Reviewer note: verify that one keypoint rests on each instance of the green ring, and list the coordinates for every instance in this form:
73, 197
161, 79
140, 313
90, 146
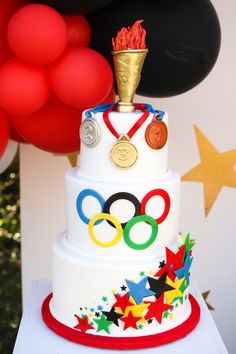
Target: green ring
131, 223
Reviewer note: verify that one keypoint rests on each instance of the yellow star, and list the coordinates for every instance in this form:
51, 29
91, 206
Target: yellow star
176, 292
215, 170
137, 311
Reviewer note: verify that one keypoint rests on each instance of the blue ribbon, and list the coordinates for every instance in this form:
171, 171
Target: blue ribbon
104, 107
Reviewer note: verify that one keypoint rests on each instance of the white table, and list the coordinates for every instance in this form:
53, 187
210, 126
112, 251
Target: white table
35, 338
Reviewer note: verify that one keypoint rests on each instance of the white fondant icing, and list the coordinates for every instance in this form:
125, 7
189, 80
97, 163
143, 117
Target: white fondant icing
95, 161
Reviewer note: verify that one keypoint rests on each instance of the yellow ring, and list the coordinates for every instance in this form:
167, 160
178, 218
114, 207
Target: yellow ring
116, 223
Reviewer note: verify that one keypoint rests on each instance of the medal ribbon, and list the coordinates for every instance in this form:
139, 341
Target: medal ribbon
134, 128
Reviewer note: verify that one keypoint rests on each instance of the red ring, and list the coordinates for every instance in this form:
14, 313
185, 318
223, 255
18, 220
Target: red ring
162, 193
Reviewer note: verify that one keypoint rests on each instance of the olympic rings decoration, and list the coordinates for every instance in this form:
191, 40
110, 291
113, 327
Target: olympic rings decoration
135, 220
139, 215
111, 218
162, 193
85, 193
122, 195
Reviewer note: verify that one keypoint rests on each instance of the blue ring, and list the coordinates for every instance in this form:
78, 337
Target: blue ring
85, 193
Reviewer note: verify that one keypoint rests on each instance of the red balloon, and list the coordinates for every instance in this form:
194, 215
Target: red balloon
54, 128
7, 9
14, 135
78, 29
110, 98
81, 77
24, 88
37, 34
4, 132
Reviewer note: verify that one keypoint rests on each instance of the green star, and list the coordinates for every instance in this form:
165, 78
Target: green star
183, 286
104, 298
140, 326
103, 324
188, 243
142, 273
165, 315
180, 298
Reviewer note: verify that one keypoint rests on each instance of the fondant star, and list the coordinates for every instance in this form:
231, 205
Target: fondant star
156, 309
162, 264
103, 324
112, 316
122, 301
130, 321
123, 288
176, 292
159, 286
180, 298
184, 271
137, 310
83, 324
174, 261
138, 290
97, 314
104, 298
216, 170
149, 320
188, 243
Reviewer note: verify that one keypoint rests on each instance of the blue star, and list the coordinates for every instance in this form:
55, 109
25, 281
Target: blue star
184, 271
92, 309
138, 290
99, 307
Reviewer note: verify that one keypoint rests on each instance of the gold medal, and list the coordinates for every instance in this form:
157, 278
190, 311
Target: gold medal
123, 153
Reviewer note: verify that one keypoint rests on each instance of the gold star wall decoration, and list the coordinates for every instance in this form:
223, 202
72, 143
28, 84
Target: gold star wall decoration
205, 296
73, 158
216, 169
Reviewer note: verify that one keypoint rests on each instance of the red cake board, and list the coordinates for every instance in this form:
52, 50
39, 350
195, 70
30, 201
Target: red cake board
122, 342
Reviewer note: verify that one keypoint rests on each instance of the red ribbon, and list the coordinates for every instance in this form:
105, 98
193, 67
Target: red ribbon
134, 128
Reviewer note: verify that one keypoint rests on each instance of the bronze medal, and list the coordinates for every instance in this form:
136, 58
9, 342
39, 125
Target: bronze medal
156, 134
123, 153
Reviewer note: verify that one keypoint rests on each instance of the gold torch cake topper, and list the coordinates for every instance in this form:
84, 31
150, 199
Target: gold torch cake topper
129, 55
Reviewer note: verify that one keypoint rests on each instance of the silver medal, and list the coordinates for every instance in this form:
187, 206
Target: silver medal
89, 132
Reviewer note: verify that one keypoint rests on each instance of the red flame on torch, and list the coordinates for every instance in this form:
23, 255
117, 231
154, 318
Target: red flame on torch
130, 37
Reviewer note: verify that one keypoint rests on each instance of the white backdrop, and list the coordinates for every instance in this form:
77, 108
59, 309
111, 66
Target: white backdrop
211, 106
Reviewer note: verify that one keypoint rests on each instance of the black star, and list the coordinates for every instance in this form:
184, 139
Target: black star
112, 316
81, 308
162, 264
149, 320
159, 286
97, 314
123, 288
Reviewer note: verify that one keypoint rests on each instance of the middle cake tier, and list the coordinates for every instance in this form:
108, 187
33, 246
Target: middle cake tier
122, 220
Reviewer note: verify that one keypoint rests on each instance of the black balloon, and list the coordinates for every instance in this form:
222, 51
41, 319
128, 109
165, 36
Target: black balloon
183, 37
75, 6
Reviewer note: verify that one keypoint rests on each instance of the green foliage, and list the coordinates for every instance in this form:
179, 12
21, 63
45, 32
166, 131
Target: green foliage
10, 274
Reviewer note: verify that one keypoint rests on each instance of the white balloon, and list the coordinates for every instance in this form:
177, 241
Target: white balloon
8, 156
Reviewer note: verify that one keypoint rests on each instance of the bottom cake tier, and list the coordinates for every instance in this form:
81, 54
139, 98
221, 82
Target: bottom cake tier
109, 304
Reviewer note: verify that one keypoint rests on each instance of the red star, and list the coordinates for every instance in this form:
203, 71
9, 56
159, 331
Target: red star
157, 308
174, 261
83, 324
122, 302
130, 321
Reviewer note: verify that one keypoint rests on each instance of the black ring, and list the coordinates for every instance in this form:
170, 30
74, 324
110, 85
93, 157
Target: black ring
121, 195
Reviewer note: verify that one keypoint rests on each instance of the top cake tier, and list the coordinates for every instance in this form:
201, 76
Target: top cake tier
97, 142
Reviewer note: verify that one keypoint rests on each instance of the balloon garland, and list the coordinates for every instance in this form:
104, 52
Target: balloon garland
37, 36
